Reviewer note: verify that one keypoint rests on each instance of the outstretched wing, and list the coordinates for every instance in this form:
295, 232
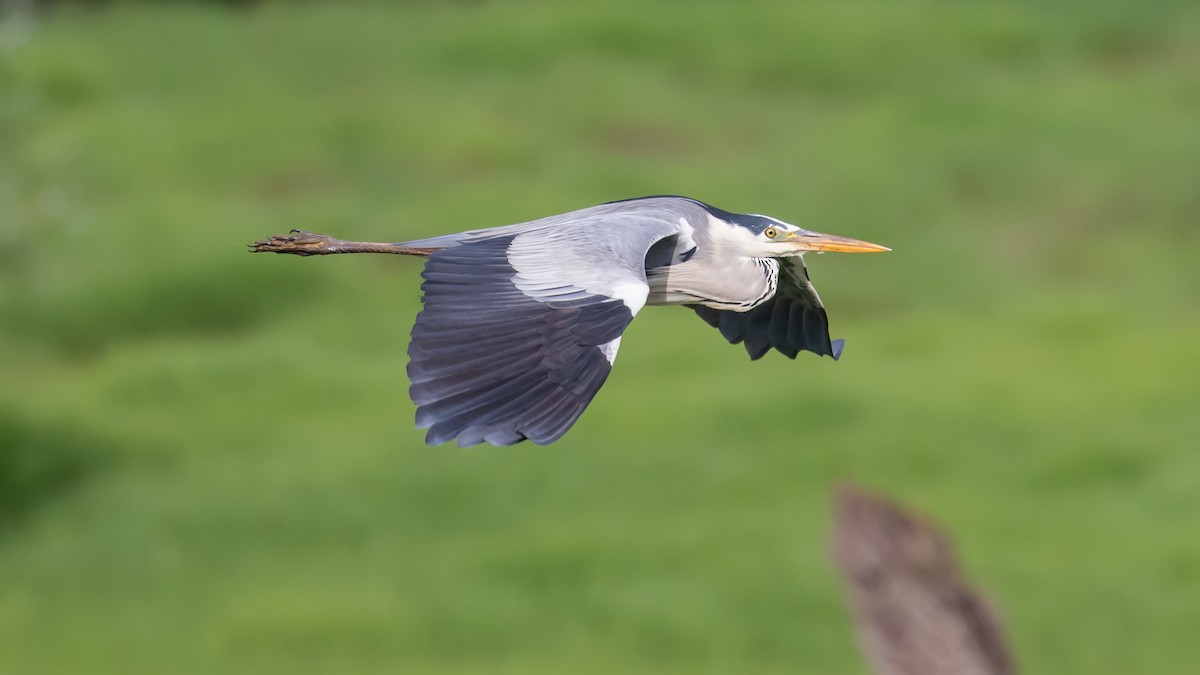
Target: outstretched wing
521, 325
791, 321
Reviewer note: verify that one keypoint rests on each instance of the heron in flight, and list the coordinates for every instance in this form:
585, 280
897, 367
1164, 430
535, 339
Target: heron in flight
520, 324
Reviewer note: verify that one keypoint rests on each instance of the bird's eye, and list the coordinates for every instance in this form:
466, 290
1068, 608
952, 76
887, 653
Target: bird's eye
771, 232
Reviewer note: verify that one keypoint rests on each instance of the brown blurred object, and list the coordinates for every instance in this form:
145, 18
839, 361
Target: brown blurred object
915, 613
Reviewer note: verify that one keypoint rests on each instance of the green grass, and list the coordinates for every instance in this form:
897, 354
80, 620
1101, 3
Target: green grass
207, 460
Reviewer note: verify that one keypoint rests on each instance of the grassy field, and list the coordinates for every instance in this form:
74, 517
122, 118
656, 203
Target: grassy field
207, 460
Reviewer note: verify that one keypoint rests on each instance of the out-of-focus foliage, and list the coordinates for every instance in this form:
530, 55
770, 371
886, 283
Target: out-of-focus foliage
207, 460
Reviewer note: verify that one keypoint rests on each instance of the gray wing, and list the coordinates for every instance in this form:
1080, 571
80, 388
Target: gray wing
793, 320
520, 325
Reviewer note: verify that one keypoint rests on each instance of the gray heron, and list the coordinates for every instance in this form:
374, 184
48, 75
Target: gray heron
520, 324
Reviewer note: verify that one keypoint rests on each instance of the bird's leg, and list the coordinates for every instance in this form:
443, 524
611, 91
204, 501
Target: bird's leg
299, 242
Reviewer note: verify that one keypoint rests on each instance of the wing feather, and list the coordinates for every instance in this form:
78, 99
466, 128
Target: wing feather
519, 323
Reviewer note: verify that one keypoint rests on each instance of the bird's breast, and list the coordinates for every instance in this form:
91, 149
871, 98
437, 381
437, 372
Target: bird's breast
740, 284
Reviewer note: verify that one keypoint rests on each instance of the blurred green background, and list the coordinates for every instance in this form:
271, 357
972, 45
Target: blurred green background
207, 459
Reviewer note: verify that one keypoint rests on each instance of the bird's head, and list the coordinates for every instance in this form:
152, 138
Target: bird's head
763, 236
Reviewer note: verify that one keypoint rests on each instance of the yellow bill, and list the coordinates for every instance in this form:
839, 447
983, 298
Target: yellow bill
816, 241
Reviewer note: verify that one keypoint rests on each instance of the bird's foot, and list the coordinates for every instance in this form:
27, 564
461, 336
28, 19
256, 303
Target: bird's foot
298, 242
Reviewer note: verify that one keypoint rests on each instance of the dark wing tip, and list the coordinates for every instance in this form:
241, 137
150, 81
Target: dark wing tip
782, 323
